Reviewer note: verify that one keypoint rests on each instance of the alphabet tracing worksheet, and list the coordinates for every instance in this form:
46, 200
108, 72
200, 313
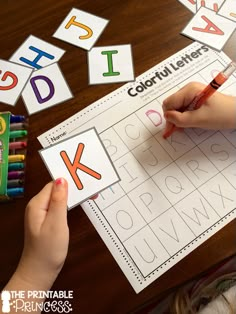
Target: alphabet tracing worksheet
174, 194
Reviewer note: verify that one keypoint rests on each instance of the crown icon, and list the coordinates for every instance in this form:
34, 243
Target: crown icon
5, 297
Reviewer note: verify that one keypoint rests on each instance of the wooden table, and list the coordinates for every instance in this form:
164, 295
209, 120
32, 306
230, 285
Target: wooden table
153, 29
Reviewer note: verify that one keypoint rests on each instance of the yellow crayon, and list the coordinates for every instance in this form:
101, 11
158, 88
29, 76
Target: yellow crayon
16, 158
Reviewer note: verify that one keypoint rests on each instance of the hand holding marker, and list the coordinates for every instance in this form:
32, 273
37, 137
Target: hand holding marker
210, 89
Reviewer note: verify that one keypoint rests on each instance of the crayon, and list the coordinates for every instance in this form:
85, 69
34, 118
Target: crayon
18, 133
16, 166
15, 175
18, 126
15, 183
15, 192
16, 158
16, 118
17, 145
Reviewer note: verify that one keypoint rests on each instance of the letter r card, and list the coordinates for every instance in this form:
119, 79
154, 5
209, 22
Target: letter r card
83, 161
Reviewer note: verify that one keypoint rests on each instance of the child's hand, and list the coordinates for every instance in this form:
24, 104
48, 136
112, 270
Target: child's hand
219, 111
46, 235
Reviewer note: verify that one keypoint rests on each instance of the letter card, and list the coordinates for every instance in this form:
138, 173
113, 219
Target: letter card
37, 53
228, 9
81, 28
210, 4
209, 28
83, 161
46, 88
13, 78
110, 64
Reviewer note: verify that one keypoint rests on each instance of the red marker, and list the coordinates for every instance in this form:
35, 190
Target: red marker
210, 89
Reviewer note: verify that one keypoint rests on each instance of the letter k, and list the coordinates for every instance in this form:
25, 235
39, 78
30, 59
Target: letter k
72, 167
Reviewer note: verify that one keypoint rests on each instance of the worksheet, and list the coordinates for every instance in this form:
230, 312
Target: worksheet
174, 194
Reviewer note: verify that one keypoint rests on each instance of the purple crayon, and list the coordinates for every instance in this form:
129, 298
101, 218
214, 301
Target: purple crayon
15, 175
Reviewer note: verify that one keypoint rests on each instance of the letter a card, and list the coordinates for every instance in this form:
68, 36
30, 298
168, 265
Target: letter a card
83, 161
209, 28
81, 29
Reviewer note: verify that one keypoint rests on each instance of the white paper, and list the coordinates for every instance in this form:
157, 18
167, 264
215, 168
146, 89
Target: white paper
174, 194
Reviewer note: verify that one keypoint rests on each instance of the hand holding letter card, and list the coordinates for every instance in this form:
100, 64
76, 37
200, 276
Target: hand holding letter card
83, 161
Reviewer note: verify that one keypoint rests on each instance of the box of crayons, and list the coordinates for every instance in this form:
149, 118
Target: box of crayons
13, 144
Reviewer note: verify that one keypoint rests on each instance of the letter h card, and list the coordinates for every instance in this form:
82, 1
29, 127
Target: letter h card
83, 161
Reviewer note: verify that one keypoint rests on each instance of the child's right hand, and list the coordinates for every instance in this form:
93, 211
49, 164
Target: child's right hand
219, 111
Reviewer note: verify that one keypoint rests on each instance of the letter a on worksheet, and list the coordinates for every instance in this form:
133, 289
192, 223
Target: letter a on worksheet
81, 29
83, 161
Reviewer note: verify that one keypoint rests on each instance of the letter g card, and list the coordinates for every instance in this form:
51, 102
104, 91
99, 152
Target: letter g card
83, 161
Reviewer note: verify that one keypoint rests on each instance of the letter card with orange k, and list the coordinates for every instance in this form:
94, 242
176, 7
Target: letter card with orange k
83, 161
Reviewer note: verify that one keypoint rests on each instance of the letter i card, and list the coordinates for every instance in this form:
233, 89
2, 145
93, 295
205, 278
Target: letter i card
110, 64
83, 161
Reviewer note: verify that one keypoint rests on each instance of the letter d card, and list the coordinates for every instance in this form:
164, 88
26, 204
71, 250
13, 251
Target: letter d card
83, 161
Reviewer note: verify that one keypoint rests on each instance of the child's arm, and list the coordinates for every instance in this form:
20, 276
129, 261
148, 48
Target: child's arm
46, 242
219, 111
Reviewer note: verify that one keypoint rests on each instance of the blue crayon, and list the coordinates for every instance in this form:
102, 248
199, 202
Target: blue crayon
16, 118
13, 192
16, 166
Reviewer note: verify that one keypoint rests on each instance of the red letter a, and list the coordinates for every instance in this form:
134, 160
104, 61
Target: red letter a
211, 28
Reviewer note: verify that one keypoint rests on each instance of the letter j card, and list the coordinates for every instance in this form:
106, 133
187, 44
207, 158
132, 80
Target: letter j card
83, 161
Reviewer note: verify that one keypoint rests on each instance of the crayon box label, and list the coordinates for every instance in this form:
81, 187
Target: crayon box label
4, 148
